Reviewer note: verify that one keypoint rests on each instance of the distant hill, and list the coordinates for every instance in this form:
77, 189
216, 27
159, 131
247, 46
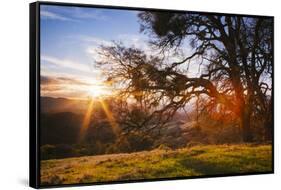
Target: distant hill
64, 128
60, 128
54, 105
62, 118
61, 121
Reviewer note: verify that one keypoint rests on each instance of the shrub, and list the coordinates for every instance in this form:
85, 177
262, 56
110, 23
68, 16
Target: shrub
47, 152
57, 151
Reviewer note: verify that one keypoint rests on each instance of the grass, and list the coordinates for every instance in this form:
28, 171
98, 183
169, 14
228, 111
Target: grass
193, 161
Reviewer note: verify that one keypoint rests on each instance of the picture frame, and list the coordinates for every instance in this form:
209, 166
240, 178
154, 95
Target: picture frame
72, 145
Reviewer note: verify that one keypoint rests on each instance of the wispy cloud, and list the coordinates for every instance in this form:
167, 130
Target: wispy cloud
49, 80
71, 13
68, 87
67, 78
128, 40
140, 42
95, 41
88, 14
54, 16
68, 64
64, 87
54, 73
135, 40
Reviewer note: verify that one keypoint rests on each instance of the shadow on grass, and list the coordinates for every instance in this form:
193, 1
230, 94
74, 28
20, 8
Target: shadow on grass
205, 167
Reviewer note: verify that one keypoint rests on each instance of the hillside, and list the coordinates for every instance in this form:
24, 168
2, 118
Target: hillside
159, 163
54, 105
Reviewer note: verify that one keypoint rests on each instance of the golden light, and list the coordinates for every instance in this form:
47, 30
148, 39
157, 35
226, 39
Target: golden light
109, 116
97, 91
86, 120
97, 94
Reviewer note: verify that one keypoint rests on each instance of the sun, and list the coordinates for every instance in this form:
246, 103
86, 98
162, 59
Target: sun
97, 91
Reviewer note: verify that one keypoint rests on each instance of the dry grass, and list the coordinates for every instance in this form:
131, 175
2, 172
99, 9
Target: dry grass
193, 161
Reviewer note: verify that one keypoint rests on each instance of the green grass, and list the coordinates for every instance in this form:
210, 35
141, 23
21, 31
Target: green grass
194, 161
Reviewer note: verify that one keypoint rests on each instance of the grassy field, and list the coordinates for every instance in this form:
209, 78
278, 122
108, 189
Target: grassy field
193, 161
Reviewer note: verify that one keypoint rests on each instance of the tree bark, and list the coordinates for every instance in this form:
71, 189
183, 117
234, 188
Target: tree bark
245, 124
268, 124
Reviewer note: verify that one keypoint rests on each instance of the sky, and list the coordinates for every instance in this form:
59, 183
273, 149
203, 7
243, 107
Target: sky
69, 38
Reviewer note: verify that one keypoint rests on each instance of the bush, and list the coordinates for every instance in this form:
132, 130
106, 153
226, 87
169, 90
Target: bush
47, 152
57, 151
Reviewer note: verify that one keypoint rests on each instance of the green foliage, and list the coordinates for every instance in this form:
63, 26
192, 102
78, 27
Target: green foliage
129, 143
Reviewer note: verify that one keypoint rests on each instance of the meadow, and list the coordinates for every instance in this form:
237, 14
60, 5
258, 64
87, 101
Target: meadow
159, 163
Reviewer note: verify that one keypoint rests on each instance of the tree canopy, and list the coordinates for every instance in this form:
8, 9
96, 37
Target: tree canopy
234, 55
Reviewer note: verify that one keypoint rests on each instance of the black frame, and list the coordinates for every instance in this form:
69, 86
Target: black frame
34, 94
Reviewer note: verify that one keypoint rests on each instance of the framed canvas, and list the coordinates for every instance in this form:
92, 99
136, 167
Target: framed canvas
125, 94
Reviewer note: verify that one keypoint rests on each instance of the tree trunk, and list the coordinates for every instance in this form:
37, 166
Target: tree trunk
245, 125
243, 109
268, 124
268, 130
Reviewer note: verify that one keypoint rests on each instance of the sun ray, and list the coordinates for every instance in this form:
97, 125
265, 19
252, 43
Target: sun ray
86, 120
110, 117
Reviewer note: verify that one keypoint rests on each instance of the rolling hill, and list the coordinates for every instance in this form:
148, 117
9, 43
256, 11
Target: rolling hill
159, 163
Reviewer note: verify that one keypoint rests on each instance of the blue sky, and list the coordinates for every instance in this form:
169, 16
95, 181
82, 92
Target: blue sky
69, 36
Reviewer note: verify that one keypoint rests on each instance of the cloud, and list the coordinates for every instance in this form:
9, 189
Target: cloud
69, 87
134, 40
49, 80
68, 64
88, 13
54, 16
95, 41
71, 13
64, 87
46, 80
128, 40
140, 42
90, 78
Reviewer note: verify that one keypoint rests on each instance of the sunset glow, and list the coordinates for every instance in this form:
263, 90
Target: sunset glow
98, 91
